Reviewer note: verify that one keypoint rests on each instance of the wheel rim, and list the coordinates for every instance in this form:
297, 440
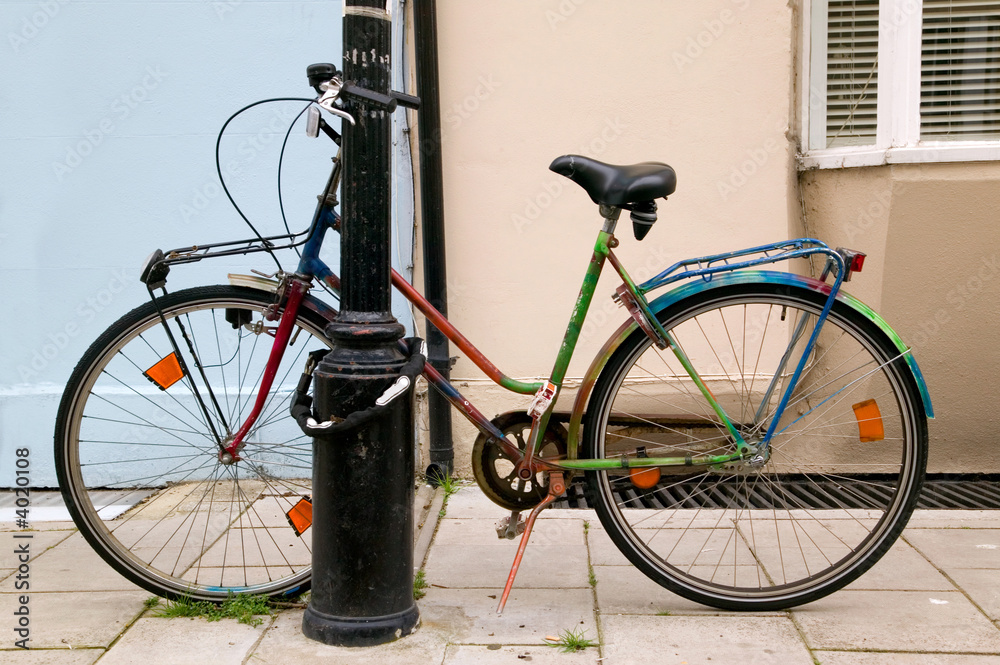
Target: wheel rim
198, 526
711, 532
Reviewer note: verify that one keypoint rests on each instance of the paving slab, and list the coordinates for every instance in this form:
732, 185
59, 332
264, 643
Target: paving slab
470, 502
958, 548
603, 551
712, 639
902, 568
468, 616
897, 621
51, 656
495, 654
284, 643
467, 554
181, 641
73, 565
954, 519
38, 544
77, 618
626, 590
587, 514
857, 658
57, 525
983, 586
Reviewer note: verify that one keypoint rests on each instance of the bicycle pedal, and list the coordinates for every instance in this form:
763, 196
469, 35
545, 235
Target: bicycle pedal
506, 532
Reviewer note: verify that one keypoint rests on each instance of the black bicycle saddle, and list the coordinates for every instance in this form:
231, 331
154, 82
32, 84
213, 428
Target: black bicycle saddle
612, 185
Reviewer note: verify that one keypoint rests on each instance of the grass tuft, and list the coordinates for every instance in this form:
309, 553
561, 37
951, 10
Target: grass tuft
571, 640
450, 485
419, 584
245, 608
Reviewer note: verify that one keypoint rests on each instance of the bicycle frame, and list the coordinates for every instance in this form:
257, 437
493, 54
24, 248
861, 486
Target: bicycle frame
702, 270
311, 265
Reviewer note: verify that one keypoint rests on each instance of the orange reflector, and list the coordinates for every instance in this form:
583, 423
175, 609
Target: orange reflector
644, 478
301, 515
869, 421
165, 373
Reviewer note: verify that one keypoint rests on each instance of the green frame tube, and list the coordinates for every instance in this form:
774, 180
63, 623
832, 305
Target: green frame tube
602, 252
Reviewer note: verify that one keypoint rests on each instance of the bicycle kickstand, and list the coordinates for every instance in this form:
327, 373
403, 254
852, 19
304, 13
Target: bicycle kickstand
557, 485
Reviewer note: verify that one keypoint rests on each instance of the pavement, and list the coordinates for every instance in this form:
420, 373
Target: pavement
933, 599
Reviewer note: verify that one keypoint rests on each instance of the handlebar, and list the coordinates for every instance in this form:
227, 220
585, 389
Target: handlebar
325, 73
405, 100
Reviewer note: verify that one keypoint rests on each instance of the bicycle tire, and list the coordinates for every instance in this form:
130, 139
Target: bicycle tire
754, 536
139, 468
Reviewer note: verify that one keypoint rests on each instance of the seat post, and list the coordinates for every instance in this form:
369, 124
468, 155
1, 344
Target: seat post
610, 215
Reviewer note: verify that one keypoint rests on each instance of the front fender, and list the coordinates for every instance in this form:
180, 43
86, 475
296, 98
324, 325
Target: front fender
719, 281
310, 302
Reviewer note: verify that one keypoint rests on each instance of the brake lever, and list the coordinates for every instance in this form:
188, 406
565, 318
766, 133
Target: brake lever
331, 91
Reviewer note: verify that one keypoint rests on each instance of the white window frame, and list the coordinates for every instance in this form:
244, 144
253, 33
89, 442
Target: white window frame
897, 138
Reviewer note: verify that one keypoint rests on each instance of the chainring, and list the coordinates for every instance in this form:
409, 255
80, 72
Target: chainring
494, 470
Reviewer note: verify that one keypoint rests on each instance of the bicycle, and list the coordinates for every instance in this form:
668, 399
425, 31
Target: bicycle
697, 427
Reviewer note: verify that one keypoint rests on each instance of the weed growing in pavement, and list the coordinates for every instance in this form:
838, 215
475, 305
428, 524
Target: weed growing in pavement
419, 585
245, 608
571, 640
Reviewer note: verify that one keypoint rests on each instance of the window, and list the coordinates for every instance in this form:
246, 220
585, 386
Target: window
902, 81
960, 70
851, 72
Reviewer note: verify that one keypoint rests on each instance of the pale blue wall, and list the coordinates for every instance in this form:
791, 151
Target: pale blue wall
108, 120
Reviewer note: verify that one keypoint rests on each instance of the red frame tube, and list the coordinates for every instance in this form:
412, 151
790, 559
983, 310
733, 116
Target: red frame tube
452, 333
296, 292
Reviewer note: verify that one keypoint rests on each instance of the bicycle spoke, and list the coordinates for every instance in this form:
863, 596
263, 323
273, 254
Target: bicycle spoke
184, 521
802, 517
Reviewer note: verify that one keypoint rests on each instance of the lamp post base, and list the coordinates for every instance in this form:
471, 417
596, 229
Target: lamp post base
359, 631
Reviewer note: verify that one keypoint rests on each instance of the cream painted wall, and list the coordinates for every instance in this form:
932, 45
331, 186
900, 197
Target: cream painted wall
705, 87
933, 242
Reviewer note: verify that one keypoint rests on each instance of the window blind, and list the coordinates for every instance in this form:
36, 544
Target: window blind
851, 72
960, 70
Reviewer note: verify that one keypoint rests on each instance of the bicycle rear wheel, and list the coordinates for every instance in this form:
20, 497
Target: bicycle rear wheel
139, 466
818, 509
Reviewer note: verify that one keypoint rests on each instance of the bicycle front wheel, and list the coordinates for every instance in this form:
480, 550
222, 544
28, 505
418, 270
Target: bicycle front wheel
816, 508
138, 457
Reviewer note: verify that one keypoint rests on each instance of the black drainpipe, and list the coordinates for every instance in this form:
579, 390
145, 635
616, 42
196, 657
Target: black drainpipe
432, 220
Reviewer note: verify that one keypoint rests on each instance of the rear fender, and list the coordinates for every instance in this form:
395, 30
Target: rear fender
718, 281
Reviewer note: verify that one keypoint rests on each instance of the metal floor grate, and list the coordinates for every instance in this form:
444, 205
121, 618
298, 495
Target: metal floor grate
939, 492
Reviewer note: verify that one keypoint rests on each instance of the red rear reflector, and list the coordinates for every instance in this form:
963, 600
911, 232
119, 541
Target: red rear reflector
644, 479
858, 262
166, 372
869, 421
301, 515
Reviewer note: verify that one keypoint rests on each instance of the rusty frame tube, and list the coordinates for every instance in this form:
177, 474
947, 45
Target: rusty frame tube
452, 333
468, 409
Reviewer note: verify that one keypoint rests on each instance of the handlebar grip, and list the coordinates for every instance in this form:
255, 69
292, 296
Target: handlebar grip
352, 90
409, 101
